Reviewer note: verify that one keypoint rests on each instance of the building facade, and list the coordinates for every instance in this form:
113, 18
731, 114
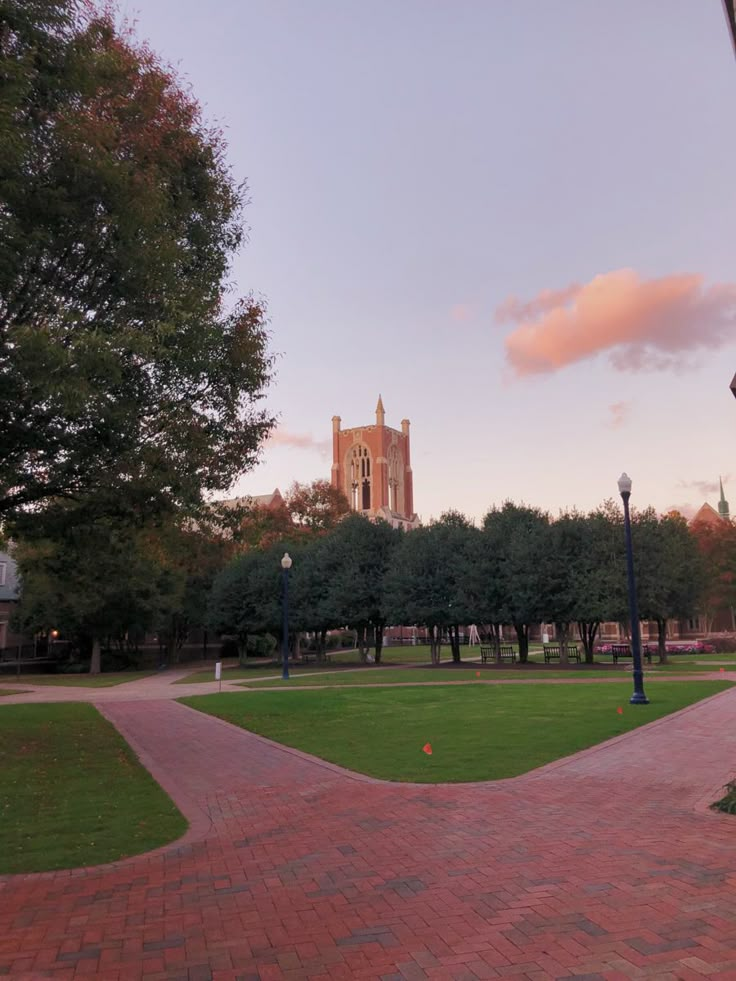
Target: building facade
371, 465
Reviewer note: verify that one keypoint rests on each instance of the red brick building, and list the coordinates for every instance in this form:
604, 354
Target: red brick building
372, 466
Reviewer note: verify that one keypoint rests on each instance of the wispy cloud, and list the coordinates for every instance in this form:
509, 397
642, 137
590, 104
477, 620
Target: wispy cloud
643, 324
299, 441
688, 511
461, 312
703, 487
618, 414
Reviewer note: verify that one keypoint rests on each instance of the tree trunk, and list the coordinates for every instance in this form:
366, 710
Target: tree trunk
297, 646
587, 631
95, 664
379, 640
435, 644
455, 643
522, 636
563, 629
363, 643
662, 640
321, 640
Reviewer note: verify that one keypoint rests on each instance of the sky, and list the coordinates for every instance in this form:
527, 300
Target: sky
516, 223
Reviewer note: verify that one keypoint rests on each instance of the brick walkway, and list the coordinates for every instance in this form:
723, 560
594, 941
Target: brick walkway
603, 866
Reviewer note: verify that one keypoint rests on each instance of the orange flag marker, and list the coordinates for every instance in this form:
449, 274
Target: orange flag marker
427, 748
620, 710
477, 673
722, 670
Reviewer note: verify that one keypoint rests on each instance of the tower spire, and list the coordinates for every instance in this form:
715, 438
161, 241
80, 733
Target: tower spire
380, 414
723, 508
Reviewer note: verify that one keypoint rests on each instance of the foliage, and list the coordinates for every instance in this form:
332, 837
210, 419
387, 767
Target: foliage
670, 572
120, 362
727, 803
717, 545
421, 584
317, 506
72, 792
517, 536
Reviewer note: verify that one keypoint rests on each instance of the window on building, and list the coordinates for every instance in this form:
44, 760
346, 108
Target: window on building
3, 572
360, 478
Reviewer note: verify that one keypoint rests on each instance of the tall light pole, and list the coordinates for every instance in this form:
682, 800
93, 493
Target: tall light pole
285, 566
638, 698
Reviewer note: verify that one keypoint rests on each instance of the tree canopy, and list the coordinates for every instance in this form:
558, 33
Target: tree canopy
122, 359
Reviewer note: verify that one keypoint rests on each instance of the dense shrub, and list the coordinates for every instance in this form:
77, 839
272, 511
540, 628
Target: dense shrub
727, 803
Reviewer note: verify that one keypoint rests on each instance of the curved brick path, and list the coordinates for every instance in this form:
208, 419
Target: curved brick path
606, 865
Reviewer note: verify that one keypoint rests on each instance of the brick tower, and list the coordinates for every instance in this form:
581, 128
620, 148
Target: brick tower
372, 466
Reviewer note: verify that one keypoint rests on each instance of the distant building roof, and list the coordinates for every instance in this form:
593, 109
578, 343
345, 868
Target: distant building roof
9, 585
707, 515
272, 500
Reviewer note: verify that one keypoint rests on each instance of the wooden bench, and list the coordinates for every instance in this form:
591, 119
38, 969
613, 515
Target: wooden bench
552, 652
506, 653
624, 650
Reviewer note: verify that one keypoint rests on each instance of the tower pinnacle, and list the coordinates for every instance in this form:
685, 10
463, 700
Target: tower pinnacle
380, 414
723, 508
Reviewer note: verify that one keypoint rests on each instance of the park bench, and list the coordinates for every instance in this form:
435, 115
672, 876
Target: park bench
624, 650
17, 657
506, 653
552, 652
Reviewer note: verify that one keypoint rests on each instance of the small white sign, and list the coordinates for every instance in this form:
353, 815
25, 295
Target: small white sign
218, 670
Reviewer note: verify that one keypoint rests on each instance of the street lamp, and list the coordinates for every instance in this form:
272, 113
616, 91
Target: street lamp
638, 698
285, 566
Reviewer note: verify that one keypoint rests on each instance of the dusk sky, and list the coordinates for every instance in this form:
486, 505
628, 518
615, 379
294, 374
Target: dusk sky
516, 222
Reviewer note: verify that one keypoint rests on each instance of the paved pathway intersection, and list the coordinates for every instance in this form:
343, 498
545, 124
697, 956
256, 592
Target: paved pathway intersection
603, 866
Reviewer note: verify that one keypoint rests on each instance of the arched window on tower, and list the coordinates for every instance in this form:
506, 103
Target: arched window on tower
395, 480
359, 478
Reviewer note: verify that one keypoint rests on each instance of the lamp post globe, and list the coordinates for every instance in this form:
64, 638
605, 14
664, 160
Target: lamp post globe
638, 698
285, 566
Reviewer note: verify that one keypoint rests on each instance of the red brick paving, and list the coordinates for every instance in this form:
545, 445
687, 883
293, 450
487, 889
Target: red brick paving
603, 866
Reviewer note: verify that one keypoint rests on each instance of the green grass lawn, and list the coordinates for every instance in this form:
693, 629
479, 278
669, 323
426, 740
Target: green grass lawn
72, 792
238, 674
398, 675
11, 691
77, 680
477, 732
393, 676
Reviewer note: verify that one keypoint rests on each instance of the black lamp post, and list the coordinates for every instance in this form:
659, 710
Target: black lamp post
638, 698
285, 566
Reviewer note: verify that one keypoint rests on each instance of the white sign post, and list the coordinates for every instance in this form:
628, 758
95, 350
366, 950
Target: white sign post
218, 673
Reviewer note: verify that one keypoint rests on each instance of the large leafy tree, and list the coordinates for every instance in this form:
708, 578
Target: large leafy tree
598, 574
518, 537
359, 553
423, 586
670, 572
717, 546
120, 361
316, 507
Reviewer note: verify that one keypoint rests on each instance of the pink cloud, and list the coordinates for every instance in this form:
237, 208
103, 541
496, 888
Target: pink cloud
704, 487
619, 414
299, 441
461, 312
644, 324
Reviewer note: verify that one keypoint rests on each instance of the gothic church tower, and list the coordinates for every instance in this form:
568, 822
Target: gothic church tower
372, 466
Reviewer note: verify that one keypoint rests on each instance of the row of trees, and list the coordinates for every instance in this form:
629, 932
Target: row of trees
105, 573
519, 568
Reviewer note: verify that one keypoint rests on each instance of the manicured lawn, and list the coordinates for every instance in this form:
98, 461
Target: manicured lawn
394, 676
78, 680
11, 691
477, 732
237, 674
73, 793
